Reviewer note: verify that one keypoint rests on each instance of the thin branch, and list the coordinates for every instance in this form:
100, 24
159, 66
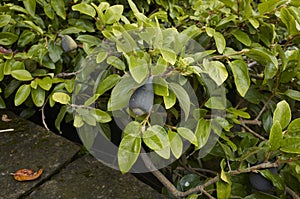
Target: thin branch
253, 132
68, 74
43, 114
292, 193
251, 122
264, 107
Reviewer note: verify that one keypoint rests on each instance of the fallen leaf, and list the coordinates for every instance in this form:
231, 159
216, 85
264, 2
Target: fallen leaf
5, 118
27, 174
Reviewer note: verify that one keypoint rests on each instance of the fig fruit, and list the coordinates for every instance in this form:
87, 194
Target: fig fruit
67, 43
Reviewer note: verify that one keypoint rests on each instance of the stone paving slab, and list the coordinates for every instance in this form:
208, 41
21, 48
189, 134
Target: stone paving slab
89, 179
29, 146
66, 174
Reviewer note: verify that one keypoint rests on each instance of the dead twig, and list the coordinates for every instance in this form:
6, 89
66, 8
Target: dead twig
253, 132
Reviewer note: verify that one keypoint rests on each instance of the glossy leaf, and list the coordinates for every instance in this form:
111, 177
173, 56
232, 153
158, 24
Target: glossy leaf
202, 132
7, 38
242, 37
169, 100
220, 42
85, 8
133, 129
294, 128
38, 96
113, 14
216, 70
30, 6
4, 20
107, 84
60, 97
45, 83
183, 98
241, 76
276, 180
168, 55
188, 135
288, 19
138, 68
55, 51
101, 56
293, 94
160, 86
60, 117
223, 190
100, 116
25, 38
59, 8
116, 62
175, 144
156, 138
128, 152
21, 75
282, 114
275, 137
291, 145
78, 121
22, 94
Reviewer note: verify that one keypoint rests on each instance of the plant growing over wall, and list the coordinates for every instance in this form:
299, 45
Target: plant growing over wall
205, 90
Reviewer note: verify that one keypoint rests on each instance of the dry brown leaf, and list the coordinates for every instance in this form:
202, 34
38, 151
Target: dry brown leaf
5, 118
27, 174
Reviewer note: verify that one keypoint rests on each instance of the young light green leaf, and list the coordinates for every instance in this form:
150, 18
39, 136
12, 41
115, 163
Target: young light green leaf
188, 135
282, 114
202, 132
116, 62
101, 56
78, 121
241, 76
156, 138
223, 190
21, 75
169, 55
138, 68
294, 128
113, 14
183, 98
216, 70
220, 42
59, 8
22, 94
160, 86
291, 145
45, 83
100, 116
85, 8
293, 94
289, 21
133, 128
60, 97
175, 144
169, 100
38, 96
128, 152
275, 137
60, 117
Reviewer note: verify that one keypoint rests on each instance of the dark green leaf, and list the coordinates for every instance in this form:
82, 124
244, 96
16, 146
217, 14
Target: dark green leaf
22, 94
202, 132
25, 38
293, 94
38, 96
2, 103
4, 20
55, 51
183, 98
7, 38
59, 8
30, 6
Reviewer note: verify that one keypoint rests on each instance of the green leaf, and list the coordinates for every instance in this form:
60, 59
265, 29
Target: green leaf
239, 113
45, 83
241, 76
160, 86
276, 180
100, 116
7, 38
87, 117
220, 42
268, 6
25, 38
261, 195
60, 97
89, 39
21, 75
188, 135
35, 27
60, 117
202, 132
78, 121
101, 56
11, 87
294, 128
85, 8
156, 138
183, 98
168, 55
293, 94
116, 62
30, 6
133, 128
138, 68
216, 70
38, 96
22, 94
216, 103
4, 20
107, 84
48, 11
2, 103
291, 145
289, 21
128, 152
275, 137
113, 14
121, 93
55, 51
69, 85
59, 8
169, 100
242, 37
223, 190
282, 114
175, 144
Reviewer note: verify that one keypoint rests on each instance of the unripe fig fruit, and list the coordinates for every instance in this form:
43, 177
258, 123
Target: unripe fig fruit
68, 43
260, 183
141, 101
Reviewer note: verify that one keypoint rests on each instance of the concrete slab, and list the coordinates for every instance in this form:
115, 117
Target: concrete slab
29, 146
89, 179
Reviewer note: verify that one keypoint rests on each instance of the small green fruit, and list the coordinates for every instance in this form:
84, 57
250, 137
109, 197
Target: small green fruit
68, 44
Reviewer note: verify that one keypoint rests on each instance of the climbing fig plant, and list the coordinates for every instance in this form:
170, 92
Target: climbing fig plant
206, 92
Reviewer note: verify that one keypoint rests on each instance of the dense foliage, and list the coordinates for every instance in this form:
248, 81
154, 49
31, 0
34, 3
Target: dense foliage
221, 70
